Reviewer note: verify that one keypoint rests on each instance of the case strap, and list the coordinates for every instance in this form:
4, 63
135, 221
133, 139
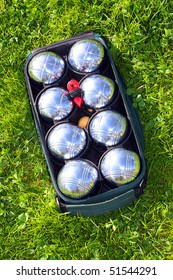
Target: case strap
102, 207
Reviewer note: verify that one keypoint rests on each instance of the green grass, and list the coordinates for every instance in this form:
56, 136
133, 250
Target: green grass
140, 38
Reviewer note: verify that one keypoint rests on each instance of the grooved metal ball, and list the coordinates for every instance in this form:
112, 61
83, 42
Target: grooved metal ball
53, 104
108, 128
120, 166
77, 178
46, 67
86, 55
66, 141
98, 91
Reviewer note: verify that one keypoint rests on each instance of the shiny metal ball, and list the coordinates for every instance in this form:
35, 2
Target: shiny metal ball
98, 91
54, 105
108, 128
66, 141
77, 178
120, 166
86, 55
46, 67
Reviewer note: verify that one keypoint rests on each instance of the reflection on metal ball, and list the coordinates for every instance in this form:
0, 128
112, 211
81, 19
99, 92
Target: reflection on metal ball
86, 55
46, 67
77, 178
66, 141
98, 91
54, 104
120, 166
108, 128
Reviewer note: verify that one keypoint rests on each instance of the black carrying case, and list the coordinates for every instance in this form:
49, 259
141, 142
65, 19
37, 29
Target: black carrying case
106, 199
